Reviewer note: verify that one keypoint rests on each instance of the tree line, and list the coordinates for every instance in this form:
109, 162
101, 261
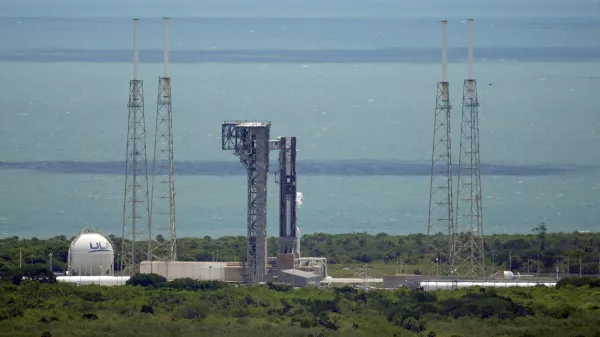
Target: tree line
537, 252
150, 306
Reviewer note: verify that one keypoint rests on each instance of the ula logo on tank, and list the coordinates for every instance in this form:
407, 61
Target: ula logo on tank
97, 247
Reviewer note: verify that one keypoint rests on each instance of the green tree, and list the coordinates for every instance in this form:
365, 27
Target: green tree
540, 231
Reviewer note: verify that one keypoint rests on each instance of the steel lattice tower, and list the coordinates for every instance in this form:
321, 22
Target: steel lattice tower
468, 235
250, 142
441, 220
135, 206
163, 226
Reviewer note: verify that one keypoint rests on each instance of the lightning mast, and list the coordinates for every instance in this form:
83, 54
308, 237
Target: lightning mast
135, 204
163, 225
440, 220
468, 234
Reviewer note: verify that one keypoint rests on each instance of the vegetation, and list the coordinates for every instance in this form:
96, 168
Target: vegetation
579, 282
35, 305
150, 306
538, 252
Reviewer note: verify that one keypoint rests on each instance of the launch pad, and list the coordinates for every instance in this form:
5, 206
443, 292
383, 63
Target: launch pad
249, 140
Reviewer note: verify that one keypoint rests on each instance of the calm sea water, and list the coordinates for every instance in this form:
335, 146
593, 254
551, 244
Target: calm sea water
355, 81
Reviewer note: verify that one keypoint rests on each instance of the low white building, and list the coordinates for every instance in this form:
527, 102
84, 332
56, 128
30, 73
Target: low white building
219, 271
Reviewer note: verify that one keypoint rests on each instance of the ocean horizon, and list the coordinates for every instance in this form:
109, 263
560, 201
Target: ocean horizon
354, 81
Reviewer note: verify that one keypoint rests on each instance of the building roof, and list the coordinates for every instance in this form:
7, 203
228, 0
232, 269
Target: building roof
248, 124
300, 273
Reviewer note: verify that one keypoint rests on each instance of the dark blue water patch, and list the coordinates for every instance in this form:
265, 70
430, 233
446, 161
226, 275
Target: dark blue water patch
304, 167
383, 55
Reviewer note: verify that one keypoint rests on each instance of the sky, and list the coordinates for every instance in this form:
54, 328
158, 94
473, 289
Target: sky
297, 8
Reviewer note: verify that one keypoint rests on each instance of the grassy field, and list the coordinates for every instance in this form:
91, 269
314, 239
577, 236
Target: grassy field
380, 269
372, 270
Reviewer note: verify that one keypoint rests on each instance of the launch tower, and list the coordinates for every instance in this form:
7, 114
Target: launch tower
250, 142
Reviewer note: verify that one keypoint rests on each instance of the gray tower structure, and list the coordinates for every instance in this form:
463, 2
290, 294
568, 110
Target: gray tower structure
135, 206
163, 225
468, 235
250, 142
440, 220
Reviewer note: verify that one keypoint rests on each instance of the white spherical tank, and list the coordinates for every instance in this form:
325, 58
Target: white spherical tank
91, 254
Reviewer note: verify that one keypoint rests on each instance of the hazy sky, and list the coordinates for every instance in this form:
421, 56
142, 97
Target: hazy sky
312, 8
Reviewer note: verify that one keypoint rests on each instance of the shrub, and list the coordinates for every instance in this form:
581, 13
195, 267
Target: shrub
147, 309
280, 287
579, 282
146, 280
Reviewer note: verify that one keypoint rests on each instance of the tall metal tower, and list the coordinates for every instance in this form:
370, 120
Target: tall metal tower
441, 220
163, 226
250, 142
135, 206
468, 234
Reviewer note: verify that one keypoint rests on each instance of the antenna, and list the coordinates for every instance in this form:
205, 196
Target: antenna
444, 51
166, 47
136, 56
471, 25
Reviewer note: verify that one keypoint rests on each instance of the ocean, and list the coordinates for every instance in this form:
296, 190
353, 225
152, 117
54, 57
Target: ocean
355, 81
